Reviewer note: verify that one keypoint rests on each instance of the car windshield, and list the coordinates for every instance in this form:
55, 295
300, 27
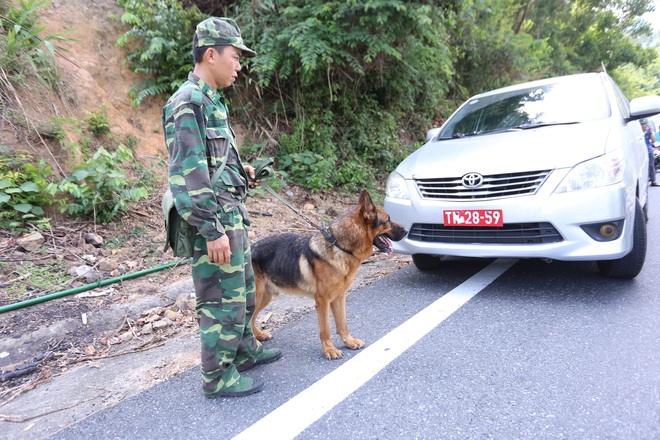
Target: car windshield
550, 104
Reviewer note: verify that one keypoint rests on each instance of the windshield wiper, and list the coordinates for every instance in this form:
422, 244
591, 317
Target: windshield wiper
542, 124
504, 130
476, 133
462, 135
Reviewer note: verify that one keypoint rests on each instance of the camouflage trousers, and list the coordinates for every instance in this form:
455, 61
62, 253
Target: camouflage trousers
225, 303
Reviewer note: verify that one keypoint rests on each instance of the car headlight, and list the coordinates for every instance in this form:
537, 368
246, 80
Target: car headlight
396, 187
595, 173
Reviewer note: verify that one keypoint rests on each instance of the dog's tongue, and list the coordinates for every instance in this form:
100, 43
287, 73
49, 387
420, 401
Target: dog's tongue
389, 246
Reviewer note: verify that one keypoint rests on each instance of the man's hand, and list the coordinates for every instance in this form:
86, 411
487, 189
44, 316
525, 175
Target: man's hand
219, 251
250, 170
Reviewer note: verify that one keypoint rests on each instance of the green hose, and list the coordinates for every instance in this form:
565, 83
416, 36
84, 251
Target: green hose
101, 283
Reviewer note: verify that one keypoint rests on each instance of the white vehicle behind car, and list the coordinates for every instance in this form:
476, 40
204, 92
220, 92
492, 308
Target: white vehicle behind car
554, 169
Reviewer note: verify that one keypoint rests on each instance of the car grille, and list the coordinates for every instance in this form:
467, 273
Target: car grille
514, 233
493, 186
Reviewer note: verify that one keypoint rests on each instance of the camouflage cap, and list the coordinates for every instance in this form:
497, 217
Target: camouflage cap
216, 31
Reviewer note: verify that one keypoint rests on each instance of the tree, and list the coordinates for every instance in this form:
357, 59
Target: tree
500, 42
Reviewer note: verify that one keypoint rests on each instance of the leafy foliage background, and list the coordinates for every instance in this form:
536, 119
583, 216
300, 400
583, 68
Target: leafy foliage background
341, 91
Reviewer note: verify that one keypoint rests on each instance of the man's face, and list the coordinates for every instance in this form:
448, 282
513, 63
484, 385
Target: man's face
225, 65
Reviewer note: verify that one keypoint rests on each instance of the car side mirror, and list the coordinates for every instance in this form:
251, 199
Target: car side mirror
644, 106
432, 133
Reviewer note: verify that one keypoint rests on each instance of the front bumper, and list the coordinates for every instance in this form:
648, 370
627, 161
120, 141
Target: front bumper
566, 213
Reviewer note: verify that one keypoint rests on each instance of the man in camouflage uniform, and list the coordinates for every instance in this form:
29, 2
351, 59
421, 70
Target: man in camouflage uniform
199, 141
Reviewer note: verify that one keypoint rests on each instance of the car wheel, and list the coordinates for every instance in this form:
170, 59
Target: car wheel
631, 265
425, 262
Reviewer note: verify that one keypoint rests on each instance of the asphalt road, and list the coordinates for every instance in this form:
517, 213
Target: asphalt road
501, 349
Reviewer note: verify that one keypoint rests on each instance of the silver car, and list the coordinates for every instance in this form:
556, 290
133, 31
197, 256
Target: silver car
553, 169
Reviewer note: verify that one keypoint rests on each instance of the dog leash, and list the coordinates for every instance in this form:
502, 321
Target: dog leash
264, 170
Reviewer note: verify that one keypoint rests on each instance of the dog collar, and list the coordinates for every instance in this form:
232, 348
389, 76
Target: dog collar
327, 233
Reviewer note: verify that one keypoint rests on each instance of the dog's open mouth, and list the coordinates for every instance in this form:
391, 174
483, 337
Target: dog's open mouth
383, 244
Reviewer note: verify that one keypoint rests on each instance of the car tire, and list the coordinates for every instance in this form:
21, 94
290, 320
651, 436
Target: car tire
631, 265
425, 262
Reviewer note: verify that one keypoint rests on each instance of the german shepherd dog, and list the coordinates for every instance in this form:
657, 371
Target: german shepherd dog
322, 266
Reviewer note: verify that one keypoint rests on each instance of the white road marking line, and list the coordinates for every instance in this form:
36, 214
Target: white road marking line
294, 416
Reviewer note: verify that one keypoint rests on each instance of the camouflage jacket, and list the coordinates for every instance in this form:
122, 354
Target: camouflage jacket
198, 137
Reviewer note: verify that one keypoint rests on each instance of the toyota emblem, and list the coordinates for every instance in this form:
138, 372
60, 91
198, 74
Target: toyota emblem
472, 180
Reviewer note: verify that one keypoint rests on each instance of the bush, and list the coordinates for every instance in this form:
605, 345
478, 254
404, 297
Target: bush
360, 82
158, 45
98, 123
22, 50
99, 189
22, 189
349, 79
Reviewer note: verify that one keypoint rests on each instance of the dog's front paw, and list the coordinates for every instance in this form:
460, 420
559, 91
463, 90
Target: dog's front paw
332, 353
353, 344
262, 336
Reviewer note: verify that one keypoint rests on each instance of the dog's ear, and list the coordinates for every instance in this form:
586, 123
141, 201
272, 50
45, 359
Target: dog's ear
367, 207
364, 197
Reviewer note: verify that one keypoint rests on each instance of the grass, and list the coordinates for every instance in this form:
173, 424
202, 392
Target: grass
31, 279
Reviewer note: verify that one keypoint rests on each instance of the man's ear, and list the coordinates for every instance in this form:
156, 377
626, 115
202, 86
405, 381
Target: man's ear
209, 54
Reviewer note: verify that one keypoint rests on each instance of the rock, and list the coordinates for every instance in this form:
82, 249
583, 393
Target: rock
182, 302
147, 329
108, 265
82, 270
172, 315
30, 242
126, 336
90, 274
92, 277
186, 302
309, 207
79, 271
152, 318
162, 324
94, 239
154, 311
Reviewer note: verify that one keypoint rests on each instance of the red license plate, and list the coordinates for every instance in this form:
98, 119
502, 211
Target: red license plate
474, 217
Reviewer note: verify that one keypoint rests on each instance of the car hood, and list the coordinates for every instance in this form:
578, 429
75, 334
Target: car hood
543, 148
